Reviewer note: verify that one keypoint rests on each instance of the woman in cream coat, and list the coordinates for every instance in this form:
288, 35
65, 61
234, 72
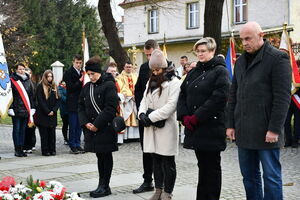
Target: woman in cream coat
161, 128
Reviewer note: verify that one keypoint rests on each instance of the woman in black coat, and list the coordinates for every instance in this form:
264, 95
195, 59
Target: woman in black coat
46, 113
201, 106
97, 107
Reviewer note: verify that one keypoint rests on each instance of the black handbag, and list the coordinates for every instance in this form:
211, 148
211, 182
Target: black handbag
118, 124
158, 124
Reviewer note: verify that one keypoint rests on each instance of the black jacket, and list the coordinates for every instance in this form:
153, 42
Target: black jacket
74, 86
259, 98
140, 86
44, 107
105, 95
204, 93
18, 105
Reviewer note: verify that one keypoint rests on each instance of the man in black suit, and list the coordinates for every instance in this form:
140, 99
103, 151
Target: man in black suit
144, 75
74, 82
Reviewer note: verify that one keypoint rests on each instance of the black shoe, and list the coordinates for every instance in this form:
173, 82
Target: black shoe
45, 154
74, 150
18, 154
287, 144
80, 150
295, 145
53, 153
145, 187
101, 191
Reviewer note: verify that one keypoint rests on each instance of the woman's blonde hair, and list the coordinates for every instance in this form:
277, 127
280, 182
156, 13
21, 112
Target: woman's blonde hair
208, 41
48, 87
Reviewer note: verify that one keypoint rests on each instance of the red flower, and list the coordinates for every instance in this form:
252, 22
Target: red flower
9, 180
43, 184
28, 198
62, 194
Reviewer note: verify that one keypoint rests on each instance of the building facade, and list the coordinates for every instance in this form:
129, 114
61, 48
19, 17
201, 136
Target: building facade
181, 22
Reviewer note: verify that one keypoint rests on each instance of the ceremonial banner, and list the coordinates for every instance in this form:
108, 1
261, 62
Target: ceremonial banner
286, 45
86, 57
5, 84
230, 57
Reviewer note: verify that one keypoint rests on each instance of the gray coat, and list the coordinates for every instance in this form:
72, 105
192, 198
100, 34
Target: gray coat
259, 98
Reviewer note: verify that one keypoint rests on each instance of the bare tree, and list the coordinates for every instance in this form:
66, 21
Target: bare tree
213, 20
111, 33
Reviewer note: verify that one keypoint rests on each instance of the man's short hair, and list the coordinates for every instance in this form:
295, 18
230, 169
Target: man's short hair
184, 57
77, 57
19, 64
151, 44
112, 64
128, 62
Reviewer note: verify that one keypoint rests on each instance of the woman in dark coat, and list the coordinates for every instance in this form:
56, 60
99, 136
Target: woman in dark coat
97, 107
201, 106
46, 113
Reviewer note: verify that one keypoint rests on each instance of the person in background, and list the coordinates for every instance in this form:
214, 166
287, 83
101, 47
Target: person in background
201, 109
180, 69
97, 108
258, 103
112, 68
22, 108
144, 74
74, 83
46, 113
292, 135
162, 142
63, 110
30, 138
126, 82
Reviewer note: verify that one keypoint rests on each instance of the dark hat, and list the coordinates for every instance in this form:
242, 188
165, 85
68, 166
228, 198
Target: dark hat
95, 67
118, 124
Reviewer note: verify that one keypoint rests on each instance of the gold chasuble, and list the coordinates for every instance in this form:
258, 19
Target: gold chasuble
126, 82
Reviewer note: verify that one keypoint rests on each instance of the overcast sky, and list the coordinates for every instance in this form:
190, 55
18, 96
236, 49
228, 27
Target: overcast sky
117, 10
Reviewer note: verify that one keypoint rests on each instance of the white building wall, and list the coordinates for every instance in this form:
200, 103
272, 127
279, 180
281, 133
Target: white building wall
172, 19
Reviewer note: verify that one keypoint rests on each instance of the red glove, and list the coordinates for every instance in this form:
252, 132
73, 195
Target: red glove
194, 120
187, 122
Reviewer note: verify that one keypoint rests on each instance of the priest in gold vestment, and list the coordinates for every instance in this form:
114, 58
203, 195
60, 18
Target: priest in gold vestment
126, 81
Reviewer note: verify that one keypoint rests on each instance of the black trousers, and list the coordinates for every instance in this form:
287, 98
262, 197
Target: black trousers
147, 159
30, 138
292, 136
48, 139
105, 166
65, 126
210, 175
164, 172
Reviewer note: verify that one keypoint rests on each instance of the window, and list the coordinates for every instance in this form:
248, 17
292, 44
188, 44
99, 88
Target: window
240, 11
153, 21
193, 15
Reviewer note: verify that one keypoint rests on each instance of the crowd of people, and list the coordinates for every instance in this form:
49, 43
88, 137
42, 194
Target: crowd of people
196, 101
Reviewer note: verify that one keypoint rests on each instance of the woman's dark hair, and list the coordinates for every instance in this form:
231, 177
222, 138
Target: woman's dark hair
159, 79
19, 64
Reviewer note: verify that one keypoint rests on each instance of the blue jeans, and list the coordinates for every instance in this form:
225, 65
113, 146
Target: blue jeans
19, 127
249, 164
74, 130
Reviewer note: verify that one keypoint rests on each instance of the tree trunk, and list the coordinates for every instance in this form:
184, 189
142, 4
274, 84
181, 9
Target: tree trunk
111, 33
213, 21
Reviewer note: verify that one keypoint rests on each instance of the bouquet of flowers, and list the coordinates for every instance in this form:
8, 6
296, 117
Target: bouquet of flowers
34, 190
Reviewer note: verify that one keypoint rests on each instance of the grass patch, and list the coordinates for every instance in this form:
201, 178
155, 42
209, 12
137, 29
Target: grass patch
8, 121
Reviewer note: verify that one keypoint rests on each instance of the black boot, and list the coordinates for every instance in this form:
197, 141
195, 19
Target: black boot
102, 190
18, 151
101, 182
24, 153
145, 187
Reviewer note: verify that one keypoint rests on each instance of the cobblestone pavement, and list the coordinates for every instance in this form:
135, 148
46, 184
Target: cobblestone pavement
128, 161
